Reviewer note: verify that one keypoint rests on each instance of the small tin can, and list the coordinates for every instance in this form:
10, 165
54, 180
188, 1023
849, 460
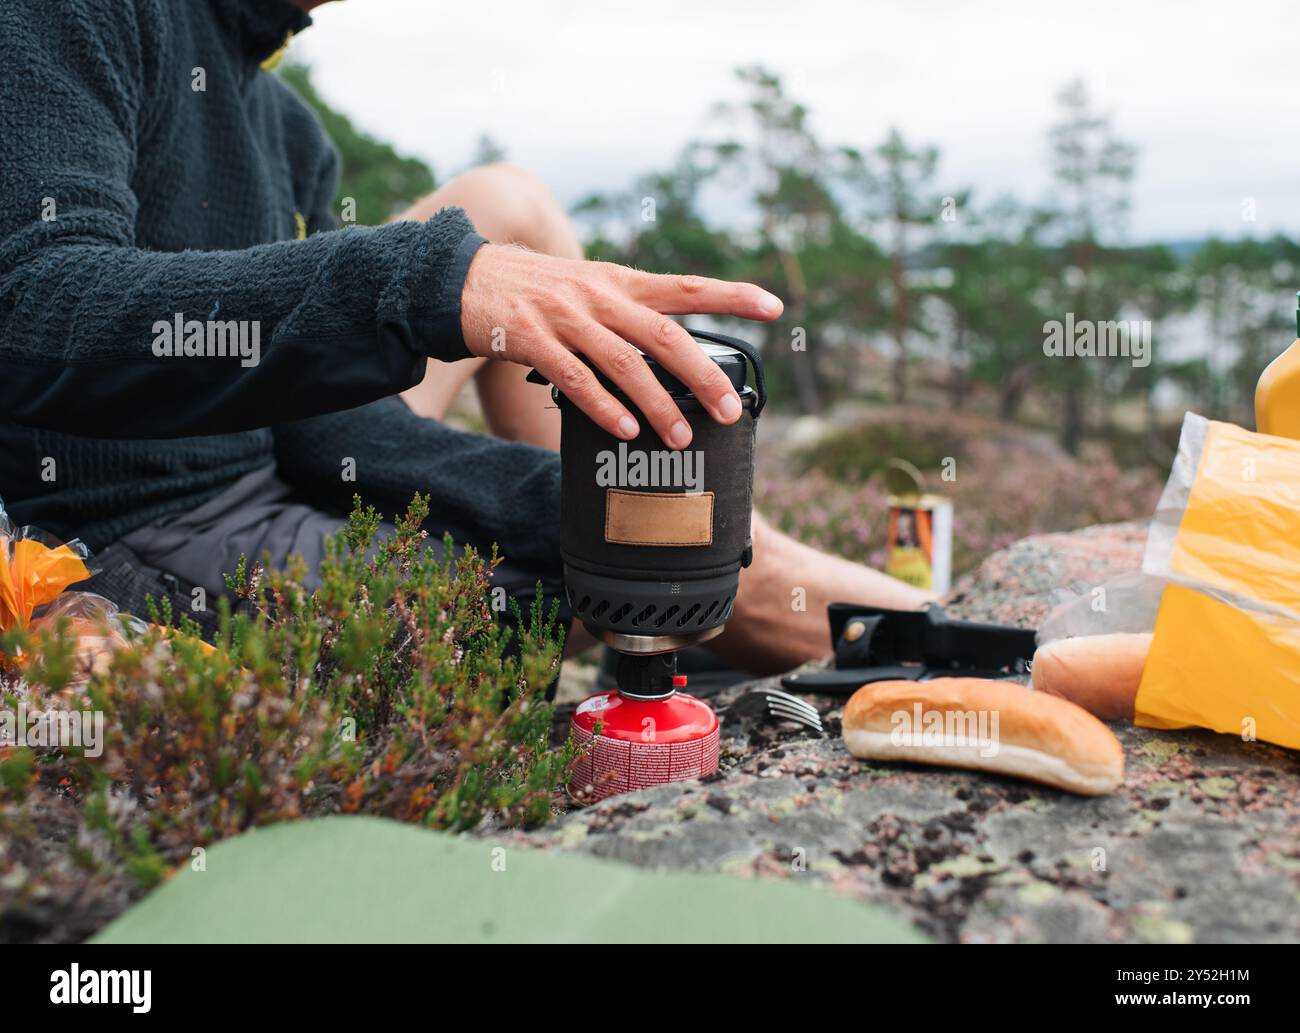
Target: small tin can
918, 548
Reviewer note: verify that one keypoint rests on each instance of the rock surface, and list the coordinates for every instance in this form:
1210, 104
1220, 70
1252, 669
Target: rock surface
1201, 843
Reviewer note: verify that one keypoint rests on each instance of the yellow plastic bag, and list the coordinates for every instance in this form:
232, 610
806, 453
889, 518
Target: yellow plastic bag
1220, 667
1226, 536
1238, 531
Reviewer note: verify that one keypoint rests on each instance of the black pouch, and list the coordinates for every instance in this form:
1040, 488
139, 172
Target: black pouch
876, 644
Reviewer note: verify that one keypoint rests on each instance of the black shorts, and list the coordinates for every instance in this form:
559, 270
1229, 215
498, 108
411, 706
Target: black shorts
257, 516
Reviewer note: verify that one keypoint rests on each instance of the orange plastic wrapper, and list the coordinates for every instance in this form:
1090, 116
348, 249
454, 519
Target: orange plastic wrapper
35, 573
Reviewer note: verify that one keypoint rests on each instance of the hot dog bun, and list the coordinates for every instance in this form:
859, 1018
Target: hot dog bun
1099, 672
1021, 732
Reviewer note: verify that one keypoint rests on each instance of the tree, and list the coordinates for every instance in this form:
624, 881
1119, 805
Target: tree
1157, 288
997, 301
785, 166
1247, 287
1093, 169
894, 186
380, 181
656, 225
487, 152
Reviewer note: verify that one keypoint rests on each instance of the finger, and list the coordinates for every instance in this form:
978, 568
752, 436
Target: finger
579, 385
685, 295
677, 351
624, 365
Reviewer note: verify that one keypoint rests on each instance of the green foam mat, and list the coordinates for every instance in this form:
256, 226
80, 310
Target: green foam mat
360, 879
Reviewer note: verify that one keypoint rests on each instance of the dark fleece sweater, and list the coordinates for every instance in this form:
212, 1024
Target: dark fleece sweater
128, 196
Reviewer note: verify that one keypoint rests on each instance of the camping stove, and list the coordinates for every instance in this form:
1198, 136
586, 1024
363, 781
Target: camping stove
653, 542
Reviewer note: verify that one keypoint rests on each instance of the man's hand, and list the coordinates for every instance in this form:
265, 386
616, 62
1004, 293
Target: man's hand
538, 310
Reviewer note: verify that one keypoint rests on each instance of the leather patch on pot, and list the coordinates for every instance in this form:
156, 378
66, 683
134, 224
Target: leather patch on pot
658, 518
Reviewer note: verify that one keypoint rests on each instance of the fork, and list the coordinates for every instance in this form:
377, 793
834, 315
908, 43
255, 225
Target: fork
791, 708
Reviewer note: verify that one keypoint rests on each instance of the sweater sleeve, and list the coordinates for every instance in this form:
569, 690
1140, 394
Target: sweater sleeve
482, 489
99, 336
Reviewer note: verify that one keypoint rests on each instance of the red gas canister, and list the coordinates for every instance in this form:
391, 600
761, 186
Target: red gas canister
642, 742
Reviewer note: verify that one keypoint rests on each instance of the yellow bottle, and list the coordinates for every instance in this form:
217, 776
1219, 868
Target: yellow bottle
1277, 395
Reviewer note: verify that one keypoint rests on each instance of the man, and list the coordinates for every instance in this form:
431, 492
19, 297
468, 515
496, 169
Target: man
196, 364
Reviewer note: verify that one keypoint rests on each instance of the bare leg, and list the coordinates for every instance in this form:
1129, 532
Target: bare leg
779, 620
508, 206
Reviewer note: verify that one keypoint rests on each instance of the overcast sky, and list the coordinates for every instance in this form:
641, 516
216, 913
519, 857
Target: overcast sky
589, 94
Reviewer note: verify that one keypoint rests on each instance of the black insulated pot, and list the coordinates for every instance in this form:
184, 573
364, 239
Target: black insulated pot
653, 539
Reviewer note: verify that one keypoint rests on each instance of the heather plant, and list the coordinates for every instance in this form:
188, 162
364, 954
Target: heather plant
391, 689
1006, 483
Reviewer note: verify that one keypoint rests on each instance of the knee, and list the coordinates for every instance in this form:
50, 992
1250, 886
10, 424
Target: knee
507, 176
519, 207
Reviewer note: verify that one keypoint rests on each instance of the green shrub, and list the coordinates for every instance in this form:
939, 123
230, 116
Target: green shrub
389, 690
854, 454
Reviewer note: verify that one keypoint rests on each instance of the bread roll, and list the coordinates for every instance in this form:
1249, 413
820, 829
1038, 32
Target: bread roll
1099, 672
987, 725
95, 644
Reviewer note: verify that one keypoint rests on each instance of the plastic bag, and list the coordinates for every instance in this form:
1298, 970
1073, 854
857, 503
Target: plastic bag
35, 572
1124, 604
1219, 589
1228, 521
1226, 535
1220, 666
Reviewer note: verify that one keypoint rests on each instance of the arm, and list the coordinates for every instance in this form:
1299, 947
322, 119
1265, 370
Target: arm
481, 488
341, 318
